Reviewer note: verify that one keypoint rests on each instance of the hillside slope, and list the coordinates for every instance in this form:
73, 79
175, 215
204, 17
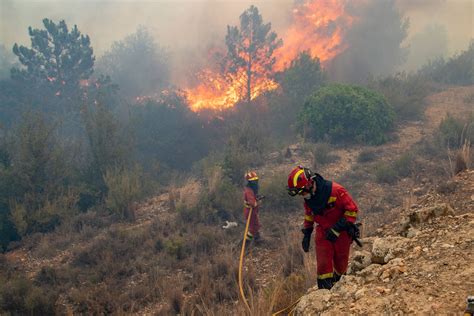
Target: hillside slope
421, 264
127, 267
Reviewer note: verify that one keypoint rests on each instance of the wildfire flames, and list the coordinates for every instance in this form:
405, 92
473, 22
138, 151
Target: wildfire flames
318, 26
217, 92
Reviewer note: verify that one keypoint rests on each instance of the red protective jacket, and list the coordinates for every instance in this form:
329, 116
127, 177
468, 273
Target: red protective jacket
250, 202
340, 203
332, 257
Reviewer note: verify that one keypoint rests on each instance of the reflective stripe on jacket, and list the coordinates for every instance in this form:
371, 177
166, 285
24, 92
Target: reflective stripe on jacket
340, 203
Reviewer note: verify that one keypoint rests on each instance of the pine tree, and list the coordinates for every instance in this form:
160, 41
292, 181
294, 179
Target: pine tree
250, 48
58, 57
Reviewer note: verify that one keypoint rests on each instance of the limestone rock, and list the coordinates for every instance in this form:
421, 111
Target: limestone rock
412, 232
360, 261
416, 217
360, 293
347, 286
371, 273
313, 303
394, 268
385, 249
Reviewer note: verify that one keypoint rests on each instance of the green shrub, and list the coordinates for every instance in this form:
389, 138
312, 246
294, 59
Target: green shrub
366, 155
46, 216
244, 150
406, 93
458, 70
400, 168
304, 76
385, 173
19, 296
404, 165
169, 132
123, 189
37, 194
159, 245
322, 155
214, 200
276, 196
453, 132
227, 201
347, 113
47, 276
175, 248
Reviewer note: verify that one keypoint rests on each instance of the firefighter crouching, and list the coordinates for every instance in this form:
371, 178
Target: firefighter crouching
251, 200
334, 211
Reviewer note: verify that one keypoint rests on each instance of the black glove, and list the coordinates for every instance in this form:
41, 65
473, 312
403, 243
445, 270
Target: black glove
353, 231
306, 238
333, 233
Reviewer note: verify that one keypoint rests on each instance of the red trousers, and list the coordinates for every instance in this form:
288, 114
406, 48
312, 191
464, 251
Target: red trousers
254, 225
331, 256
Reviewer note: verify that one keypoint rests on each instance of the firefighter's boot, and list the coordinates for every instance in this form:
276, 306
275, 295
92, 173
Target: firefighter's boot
325, 283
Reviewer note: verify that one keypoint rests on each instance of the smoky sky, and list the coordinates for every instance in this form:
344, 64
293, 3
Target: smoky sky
175, 24
192, 26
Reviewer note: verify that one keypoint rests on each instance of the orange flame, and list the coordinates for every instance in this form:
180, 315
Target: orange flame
217, 92
318, 27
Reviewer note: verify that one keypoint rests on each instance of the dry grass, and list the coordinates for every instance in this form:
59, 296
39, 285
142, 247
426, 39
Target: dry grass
214, 179
188, 195
463, 157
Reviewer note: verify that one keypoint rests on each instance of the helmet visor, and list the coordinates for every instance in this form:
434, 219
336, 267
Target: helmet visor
295, 191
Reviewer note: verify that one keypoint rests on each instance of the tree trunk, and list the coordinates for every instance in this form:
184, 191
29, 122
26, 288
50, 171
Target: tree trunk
249, 78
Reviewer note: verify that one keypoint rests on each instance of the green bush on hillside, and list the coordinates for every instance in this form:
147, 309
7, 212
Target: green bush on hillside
244, 150
123, 189
458, 70
18, 296
385, 173
405, 92
347, 113
277, 199
322, 155
453, 132
366, 155
405, 164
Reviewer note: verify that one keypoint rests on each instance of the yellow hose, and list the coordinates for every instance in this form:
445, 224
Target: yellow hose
242, 252
289, 307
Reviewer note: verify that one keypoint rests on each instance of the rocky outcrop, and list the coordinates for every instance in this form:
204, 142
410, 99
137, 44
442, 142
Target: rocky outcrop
427, 270
416, 217
386, 249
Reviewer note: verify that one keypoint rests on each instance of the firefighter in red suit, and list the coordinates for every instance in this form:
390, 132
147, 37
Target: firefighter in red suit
251, 203
331, 207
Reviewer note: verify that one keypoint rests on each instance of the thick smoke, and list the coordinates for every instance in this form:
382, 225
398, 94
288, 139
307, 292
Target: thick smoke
7, 61
188, 28
429, 44
176, 24
374, 42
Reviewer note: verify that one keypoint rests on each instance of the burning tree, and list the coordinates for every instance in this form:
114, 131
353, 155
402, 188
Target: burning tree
250, 50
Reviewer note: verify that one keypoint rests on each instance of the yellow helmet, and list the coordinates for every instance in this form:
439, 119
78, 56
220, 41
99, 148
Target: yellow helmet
251, 176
